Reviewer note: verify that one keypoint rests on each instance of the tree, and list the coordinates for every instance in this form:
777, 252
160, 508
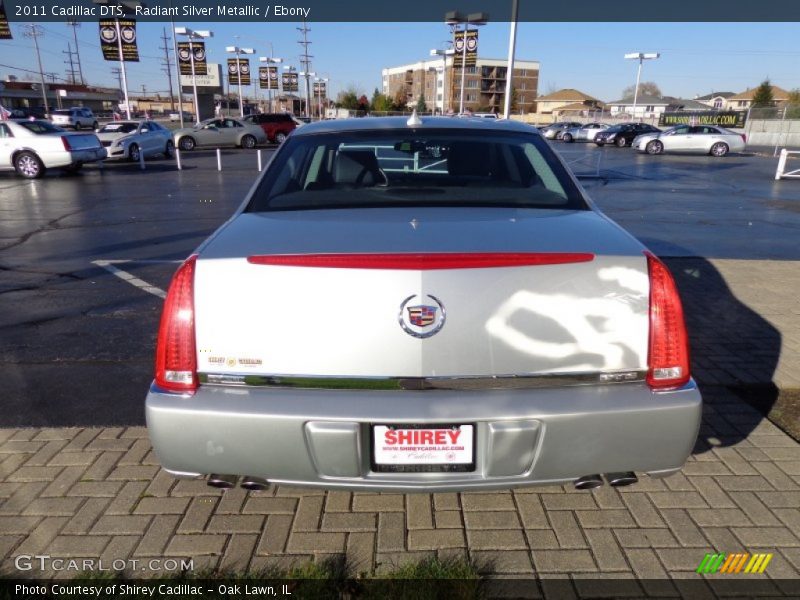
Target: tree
400, 102
347, 99
421, 105
646, 88
763, 96
380, 102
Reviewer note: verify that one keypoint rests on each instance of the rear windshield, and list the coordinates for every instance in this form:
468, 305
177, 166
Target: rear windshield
62, 111
40, 127
415, 168
119, 128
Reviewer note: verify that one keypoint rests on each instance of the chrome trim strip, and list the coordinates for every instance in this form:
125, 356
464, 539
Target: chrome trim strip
499, 382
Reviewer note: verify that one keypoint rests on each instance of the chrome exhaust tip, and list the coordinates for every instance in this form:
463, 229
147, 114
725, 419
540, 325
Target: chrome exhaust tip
224, 482
588, 482
254, 484
622, 478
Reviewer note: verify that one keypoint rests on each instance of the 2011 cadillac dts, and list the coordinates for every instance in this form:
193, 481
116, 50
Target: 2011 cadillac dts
423, 304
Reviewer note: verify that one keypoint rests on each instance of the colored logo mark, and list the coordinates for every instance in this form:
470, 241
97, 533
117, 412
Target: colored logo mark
741, 562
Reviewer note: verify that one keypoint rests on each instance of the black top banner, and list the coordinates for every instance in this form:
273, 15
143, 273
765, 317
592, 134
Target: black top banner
268, 78
5, 30
289, 82
320, 89
410, 10
185, 51
108, 39
239, 71
471, 51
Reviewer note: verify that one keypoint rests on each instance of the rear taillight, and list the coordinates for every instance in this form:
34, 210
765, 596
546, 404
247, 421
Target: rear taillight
65, 141
668, 354
176, 361
744, 137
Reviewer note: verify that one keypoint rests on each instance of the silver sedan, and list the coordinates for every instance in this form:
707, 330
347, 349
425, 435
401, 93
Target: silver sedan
584, 133
421, 304
133, 139
220, 132
703, 139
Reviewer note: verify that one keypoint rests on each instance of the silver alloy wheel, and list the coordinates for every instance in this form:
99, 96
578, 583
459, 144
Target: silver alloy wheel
280, 137
133, 153
186, 143
620, 142
719, 149
654, 147
567, 137
248, 141
28, 165
169, 151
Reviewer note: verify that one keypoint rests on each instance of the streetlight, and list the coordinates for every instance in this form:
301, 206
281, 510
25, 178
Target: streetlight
193, 35
641, 57
454, 19
270, 60
126, 6
444, 54
320, 81
237, 50
308, 75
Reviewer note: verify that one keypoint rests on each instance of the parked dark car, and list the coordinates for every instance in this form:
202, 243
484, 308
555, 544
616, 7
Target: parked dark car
276, 125
28, 113
623, 134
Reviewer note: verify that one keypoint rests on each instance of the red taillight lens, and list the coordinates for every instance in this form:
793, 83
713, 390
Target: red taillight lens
176, 361
668, 360
65, 141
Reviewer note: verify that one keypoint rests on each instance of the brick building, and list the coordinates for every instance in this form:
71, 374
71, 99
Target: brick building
484, 84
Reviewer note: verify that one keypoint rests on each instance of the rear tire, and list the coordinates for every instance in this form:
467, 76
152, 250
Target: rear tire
186, 143
654, 147
77, 125
248, 142
280, 137
719, 149
95, 125
621, 142
601, 144
28, 165
169, 151
567, 137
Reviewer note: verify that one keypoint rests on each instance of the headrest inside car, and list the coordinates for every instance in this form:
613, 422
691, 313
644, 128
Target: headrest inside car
356, 167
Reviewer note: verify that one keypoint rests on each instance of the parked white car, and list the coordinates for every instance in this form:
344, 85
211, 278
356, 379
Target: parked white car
32, 147
76, 117
705, 139
130, 139
584, 133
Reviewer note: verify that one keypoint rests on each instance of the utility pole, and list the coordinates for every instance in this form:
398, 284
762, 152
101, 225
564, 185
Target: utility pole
166, 64
72, 74
118, 72
34, 31
305, 60
75, 25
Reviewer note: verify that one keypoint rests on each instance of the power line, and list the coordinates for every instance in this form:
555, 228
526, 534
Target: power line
305, 60
167, 64
72, 73
75, 25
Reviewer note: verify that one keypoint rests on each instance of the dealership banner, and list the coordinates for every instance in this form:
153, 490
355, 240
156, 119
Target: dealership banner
733, 118
268, 78
472, 48
5, 30
239, 71
185, 51
108, 39
289, 82
320, 89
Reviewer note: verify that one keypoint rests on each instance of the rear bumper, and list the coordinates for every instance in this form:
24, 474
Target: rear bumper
322, 438
70, 157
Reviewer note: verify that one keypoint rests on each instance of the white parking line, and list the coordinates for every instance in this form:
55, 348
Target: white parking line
109, 265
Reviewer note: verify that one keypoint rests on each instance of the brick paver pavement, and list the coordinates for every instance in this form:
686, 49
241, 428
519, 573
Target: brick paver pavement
99, 494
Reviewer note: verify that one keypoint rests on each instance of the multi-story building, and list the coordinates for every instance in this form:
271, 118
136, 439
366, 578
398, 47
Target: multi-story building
439, 84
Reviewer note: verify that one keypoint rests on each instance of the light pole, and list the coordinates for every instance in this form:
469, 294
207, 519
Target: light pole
291, 71
444, 54
193, 35
270, 60
308, 75
237, 50
641, 57
319, 81
512, 44
454, 19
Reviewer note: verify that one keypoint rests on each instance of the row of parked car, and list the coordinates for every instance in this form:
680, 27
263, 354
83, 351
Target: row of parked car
31, 146
705, 139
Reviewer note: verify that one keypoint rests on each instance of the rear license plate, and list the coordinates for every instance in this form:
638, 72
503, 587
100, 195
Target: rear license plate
417, 448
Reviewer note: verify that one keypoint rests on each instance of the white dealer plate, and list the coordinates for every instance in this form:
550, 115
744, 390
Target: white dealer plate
418, 446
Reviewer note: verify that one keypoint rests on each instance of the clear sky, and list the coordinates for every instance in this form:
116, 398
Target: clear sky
696, 58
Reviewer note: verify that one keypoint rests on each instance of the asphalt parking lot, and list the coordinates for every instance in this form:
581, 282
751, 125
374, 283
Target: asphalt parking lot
84, 262
79, 331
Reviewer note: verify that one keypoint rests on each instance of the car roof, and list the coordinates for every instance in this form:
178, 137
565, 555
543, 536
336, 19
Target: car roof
388, 123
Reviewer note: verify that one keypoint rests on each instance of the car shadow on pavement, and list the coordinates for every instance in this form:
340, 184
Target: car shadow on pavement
734, 354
